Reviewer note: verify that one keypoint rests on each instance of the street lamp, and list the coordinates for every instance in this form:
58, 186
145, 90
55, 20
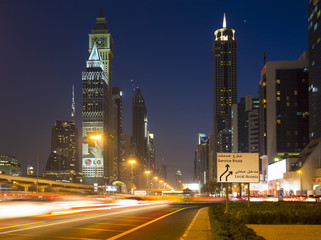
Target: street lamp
155, 179
147, 172
95, 138
161, 183
300, 172
132, 162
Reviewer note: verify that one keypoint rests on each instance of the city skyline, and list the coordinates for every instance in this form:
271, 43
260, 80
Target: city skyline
160, 59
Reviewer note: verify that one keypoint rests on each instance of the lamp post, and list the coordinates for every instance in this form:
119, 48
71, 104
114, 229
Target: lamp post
147, 172
95, 138
155, 179
160, 184
300, 172
132, 162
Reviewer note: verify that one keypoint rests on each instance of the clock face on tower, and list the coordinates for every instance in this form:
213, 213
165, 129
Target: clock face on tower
101, 42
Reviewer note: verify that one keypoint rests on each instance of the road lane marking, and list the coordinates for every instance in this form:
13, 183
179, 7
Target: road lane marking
144, 225
55, 237
120, 224
100, 229
133, 220
81, 219
190, 226
21, 225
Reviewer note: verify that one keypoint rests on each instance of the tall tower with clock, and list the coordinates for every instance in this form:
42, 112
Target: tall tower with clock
101, 36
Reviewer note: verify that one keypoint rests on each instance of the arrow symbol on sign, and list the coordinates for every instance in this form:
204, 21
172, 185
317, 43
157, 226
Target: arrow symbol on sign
230, 173
227, 166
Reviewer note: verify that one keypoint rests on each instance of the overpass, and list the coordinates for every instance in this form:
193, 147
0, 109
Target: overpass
44, 185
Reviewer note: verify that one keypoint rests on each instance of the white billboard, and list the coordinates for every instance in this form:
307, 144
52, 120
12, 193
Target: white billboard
276, 170
238, 167
111, 188
191, 186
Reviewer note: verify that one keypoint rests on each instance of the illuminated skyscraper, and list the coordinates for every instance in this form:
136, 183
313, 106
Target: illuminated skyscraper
118, 126
140, 134
64, 147
225, 86
94, 120
315, 68
105, 44
284, 108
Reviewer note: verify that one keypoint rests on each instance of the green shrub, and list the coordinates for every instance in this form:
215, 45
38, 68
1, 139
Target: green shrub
226, 226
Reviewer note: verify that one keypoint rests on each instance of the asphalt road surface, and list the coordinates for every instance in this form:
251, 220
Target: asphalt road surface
163, 221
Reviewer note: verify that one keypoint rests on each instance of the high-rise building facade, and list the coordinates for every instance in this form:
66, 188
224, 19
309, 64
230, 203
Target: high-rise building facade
64, 147
225, 85
284, 108
101, 36
314, 33
118, 129
201, 162
140, 134
95, 165
152, 153
10, 165
245, 127
179, 180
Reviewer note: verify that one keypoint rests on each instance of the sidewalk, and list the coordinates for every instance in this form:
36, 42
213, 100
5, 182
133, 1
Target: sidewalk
200, 227
293, 232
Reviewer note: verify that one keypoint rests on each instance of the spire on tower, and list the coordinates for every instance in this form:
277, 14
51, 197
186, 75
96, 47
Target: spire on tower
224, 21
73, 107
94, 55
101, 12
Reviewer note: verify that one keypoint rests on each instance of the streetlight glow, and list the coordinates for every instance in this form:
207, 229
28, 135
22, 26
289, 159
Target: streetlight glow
95, 138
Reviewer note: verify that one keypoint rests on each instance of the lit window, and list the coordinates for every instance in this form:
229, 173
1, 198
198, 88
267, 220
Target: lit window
278, 121
278, 93
288, 104
278, 81
295, 92
315, 26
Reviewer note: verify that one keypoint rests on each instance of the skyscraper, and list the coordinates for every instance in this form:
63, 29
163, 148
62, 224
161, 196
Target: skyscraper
245, 125
225, 86
10, 165
64, 147
140, 133
201, 162
64, 157
314, 34
118, 126
105, 44
94, 120
284, 108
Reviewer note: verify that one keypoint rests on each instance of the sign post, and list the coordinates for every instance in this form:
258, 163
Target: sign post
236, 168
248, 194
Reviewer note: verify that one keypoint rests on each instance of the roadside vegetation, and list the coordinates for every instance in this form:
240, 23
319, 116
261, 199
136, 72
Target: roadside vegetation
232, 225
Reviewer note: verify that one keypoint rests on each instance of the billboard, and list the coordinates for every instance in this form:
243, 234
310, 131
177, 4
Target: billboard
111, 188
276, 170
191, 186
238, 167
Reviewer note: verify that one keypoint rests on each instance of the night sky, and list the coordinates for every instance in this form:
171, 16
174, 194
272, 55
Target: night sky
164, 46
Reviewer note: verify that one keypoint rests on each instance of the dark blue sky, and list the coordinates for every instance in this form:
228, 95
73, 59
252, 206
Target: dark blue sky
165, 46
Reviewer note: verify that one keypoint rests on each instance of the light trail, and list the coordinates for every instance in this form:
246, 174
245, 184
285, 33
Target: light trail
82, 218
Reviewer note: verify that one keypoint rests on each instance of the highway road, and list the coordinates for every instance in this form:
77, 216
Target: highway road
162, 221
